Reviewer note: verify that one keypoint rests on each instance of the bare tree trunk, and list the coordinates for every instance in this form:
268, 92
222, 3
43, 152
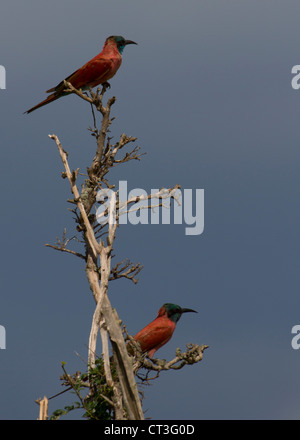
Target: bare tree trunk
98, 258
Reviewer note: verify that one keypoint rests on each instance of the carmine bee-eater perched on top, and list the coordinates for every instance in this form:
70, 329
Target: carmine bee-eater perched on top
159, 332
97, 71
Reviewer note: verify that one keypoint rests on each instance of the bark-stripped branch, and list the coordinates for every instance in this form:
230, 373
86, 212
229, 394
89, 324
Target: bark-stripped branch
72, 176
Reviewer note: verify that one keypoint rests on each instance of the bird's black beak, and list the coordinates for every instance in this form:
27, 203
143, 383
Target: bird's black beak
129, 42
188, 310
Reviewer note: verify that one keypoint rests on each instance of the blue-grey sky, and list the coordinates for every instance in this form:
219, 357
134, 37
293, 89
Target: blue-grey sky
208, 94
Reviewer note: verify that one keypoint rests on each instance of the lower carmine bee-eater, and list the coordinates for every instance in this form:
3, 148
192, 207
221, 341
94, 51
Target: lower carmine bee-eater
159, 332
97, 71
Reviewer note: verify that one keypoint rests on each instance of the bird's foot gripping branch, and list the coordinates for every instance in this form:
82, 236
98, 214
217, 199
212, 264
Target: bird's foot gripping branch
148, 368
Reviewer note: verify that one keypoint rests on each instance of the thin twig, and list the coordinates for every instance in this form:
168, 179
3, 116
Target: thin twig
69, 251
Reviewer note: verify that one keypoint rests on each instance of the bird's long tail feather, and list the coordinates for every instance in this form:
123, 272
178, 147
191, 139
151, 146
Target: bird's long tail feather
50, 98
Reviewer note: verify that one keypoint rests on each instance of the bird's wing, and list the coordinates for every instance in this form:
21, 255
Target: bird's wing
155, 336
94, 72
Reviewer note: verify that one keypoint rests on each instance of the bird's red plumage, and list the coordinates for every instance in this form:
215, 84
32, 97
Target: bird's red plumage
155, 335
97, 71
159, 332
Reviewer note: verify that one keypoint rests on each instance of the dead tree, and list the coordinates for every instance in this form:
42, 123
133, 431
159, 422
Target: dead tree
98, 235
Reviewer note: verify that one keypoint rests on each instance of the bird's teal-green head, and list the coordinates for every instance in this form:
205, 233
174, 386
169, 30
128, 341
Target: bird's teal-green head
120, 42
174, 312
